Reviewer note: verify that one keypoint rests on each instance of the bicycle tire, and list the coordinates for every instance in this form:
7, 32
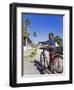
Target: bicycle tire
59, 67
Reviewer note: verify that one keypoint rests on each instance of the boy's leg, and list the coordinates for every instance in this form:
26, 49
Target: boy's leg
52, 59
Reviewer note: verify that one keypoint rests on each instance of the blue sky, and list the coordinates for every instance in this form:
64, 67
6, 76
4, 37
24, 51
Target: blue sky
43, 25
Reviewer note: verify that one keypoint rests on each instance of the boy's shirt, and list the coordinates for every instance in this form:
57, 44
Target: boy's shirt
51, 42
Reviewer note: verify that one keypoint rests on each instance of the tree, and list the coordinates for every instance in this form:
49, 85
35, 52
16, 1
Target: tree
26, 30
58, 40
27, 22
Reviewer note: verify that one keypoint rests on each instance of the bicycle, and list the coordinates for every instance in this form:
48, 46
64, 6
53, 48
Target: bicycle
58, 66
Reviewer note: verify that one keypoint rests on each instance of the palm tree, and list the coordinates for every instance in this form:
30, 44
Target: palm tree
27, 22
26, 30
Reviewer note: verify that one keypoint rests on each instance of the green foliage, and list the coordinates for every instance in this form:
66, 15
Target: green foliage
33, 52
27, 22
26, 29
26, 33
58, 40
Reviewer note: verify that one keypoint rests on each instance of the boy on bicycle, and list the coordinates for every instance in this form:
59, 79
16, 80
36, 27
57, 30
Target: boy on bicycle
52, 50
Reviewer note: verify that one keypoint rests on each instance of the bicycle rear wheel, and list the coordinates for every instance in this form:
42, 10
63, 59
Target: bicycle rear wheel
58, 66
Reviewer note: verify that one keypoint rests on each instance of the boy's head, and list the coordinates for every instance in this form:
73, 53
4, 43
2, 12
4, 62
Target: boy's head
51, 36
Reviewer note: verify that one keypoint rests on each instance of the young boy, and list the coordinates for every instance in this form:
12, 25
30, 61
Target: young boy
52, 50
52, 47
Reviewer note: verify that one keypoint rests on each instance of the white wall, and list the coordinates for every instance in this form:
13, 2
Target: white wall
4, 43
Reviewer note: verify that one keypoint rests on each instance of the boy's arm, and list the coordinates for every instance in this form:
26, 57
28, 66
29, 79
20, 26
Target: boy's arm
44, 42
